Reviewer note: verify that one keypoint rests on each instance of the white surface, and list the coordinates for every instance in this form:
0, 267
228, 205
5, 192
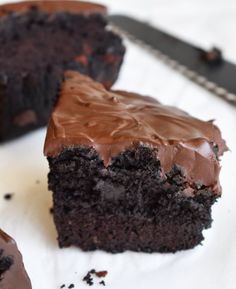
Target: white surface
27, 218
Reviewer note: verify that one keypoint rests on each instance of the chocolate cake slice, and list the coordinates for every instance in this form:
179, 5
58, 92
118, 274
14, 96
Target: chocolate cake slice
128, 173
39, 40
12, 271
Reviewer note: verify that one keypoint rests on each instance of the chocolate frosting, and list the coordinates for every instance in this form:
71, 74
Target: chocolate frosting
112, 121
15, 277
52, 6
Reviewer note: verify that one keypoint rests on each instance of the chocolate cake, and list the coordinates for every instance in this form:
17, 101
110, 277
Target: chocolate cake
128, 173
12, 271
39, 40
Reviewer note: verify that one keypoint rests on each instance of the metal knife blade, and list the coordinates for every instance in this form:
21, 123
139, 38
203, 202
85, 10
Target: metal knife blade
216, 75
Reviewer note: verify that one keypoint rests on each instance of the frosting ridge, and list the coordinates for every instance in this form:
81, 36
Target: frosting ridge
52, 6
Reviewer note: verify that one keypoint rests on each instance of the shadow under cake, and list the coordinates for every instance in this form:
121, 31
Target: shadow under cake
128, 173
41, 39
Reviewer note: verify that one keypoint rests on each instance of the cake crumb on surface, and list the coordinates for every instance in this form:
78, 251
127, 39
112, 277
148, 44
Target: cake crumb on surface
101, 274
88, 278
8, 196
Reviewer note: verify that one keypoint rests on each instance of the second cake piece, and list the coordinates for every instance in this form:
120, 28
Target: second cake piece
39, 41
128, 173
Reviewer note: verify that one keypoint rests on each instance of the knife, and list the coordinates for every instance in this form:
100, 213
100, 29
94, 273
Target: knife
207, 68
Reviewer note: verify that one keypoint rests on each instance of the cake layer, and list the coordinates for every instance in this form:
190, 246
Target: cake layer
36, 48
129, 205
12, 271
112, 121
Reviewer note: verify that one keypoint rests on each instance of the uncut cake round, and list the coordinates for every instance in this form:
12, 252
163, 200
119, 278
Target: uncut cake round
128, 173
39, 40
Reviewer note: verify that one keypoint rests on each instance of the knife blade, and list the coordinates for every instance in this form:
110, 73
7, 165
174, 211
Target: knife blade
207, 68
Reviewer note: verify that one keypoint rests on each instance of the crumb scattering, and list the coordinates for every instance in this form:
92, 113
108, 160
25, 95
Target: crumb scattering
63, 286
89, 279
101, 274
8, 196
102, 283
71, 286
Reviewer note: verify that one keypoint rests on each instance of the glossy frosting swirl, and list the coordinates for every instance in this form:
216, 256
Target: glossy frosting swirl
16, 276
112, 121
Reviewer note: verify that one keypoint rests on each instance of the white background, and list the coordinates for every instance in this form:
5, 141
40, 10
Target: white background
27, 218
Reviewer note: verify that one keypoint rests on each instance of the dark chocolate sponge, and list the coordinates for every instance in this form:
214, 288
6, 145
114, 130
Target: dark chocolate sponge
128, 206
128, 173
36, 47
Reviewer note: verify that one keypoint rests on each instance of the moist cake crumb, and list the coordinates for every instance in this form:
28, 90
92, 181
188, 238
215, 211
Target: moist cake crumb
212, 56
8, 196
101, 274
88, 277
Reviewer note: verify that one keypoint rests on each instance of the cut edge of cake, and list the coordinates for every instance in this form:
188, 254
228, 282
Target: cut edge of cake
123, 177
